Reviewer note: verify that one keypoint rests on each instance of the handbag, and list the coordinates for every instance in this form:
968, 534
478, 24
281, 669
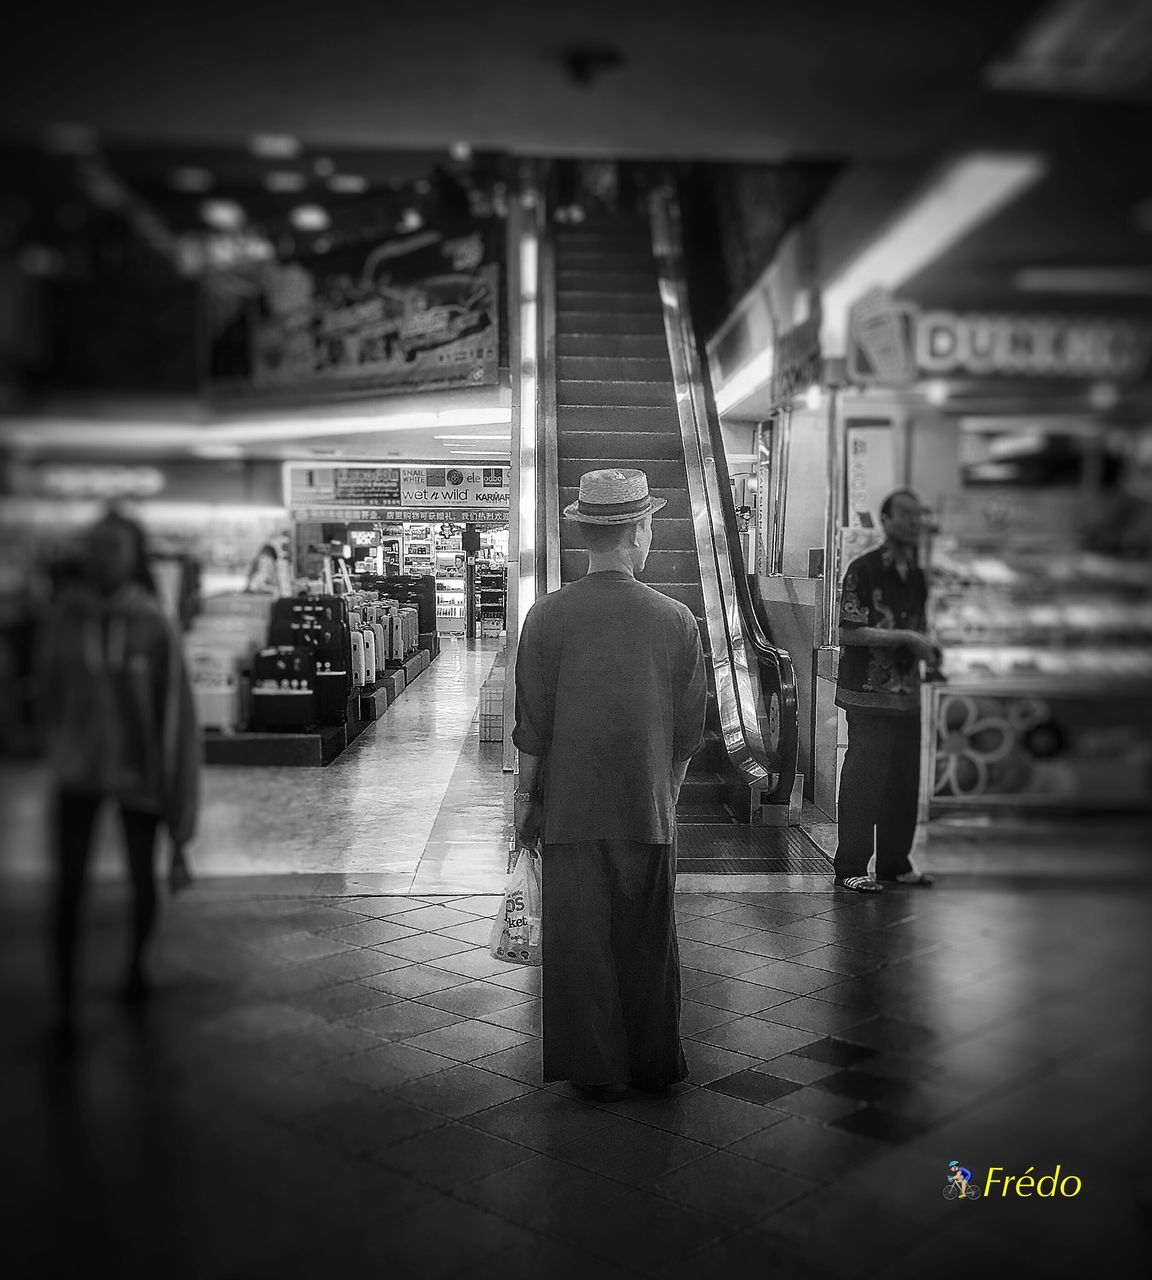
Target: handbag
516, 933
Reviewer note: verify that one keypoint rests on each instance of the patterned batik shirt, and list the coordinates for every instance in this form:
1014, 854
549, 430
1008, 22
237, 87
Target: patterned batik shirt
881, 677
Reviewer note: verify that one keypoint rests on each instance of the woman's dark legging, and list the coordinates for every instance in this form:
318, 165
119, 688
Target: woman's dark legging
75, 819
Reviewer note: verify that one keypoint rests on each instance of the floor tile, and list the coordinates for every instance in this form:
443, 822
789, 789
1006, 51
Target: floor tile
832, 1050
814, 1105
791, 1066
807, 1148
448, 1156
737, 996
631, 1153
414, 980
708, 1062
757, 1038
752, 1086
708, 1116
466, 1041
523, 1017
423, 947
461, 1090
727, 1186
475, 999
402, 1020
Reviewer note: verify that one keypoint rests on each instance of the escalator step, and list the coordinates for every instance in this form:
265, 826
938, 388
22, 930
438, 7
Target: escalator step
628, 392
624, 446
648, 418
648, 322
613, 369
607, 278
613, 346
662, 474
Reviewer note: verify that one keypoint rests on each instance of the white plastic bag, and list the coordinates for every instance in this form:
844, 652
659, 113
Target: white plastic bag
516, 929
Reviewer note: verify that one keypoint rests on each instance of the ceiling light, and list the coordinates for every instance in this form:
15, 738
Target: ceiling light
224, 215
190, 179
460, 151
274, 146
285, 180
70, 139
40, 260
309, 217
1103, 396
813, 398
411, 220
1085, 280
936, 391
422, 186
969, 192
748, 378
218, 452
347, 184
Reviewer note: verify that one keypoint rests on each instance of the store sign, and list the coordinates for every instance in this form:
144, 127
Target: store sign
797, 364
892, 342
422, 515
446, 487
106, 483
871, 469
417, 313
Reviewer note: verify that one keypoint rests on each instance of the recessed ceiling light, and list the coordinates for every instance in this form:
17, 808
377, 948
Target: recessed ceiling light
285, 180
40, 260
70, 139
274, 146
191, 179
224, 215
410, 220
309, 217
347, 183
460, 151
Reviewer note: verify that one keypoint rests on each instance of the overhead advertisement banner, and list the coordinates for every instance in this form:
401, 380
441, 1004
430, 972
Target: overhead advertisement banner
413, 314
892, 342
463, 493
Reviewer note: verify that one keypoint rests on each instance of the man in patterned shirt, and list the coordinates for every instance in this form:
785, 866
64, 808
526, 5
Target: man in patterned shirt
882, 641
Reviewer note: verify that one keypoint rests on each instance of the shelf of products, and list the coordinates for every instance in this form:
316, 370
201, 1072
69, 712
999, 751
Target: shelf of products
1047, 697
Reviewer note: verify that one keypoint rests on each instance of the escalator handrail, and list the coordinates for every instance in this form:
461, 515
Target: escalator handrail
744, 630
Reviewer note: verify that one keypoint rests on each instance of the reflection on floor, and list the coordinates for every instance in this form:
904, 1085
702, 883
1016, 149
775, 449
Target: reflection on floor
350, 1086
414, 802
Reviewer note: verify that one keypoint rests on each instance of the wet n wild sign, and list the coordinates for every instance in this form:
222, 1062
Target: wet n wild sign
893, 343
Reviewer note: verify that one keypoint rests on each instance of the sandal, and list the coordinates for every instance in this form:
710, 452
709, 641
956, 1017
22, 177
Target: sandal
859, 884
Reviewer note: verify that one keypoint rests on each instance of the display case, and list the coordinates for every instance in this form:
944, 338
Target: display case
1046, 701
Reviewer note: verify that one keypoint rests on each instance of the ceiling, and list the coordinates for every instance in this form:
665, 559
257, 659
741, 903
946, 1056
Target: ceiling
382, 92
733, 80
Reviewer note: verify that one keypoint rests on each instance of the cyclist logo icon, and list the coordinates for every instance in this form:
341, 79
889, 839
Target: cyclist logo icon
959, 1185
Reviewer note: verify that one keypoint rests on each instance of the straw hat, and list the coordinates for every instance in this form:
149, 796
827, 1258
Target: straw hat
616, 496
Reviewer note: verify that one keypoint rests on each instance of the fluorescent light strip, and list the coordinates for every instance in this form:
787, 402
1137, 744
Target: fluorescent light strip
526, 584
748, 378
1115, 281
969, 192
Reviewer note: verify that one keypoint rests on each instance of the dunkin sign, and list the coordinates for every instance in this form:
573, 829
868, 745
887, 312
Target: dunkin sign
892, 342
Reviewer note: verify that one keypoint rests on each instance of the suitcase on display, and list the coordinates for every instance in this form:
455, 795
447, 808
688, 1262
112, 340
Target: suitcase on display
357, 660
369, 638
320, 622
214, 671
284, 689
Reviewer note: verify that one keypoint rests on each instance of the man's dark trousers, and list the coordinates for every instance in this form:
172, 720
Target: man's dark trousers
879, 793
611, 987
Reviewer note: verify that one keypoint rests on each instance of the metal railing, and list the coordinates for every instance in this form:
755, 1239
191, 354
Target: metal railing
746, 664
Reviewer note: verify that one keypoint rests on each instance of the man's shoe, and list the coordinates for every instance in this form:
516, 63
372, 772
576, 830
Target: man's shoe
858, 884
603, 1092
917, 879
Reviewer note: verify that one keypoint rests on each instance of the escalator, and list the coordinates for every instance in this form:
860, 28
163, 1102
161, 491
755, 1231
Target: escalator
629, 392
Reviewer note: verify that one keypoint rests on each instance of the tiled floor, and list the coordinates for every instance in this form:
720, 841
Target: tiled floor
416, 802
349, 1086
